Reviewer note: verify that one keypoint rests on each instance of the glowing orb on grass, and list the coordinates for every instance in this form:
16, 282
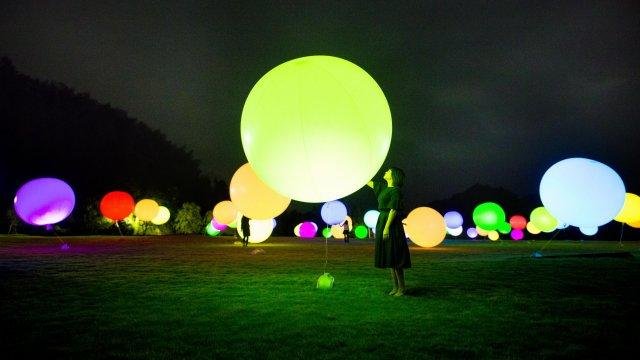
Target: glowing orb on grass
225, 212
211, 231
517, 234
333, 212
162, 217
260, 230
543, 220
325, 281
472, 232
481, 231
116, 205
493, 235
426, 227
326, 233
252, 197
582, 192
44, 201
146, 209
532, 229
518, 222
504, 228
371, 218
488, 216
453, 219
588, 230
317, 110
454, 232
630, 212
361, 231
308, 229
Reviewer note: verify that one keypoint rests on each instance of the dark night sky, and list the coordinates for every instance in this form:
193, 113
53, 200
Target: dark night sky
484, 92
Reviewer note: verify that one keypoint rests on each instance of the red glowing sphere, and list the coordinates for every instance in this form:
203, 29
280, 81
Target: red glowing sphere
518, 222
117, 205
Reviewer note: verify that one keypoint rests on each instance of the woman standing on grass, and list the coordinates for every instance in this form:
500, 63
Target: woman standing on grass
391, 249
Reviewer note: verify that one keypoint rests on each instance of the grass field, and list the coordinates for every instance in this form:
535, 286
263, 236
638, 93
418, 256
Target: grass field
195, 297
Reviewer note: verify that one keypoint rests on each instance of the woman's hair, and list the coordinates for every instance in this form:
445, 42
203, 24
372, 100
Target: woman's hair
398, 176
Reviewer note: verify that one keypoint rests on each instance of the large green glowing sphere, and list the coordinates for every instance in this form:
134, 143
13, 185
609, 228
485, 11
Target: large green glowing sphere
309, 114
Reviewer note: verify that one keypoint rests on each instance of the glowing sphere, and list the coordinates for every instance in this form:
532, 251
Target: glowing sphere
635, 224
588, 230
426, 226
44, 201
361, 231
481, 231
472, 232
488, 216
630, 212
225, 212
371, 218
582, 192
308, 229
518, 222
532, 229
454, 232
325, 281
453, 219
260, 230
543, 220
116, 205
162, 217
211, 231
146, 209
493, 235
326, 233
307, 114
517, 234
337, 232
296, 230
252, 197
504, 228
216, 225
333, 212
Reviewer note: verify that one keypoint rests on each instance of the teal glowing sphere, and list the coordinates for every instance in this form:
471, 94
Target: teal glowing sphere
309, 114
489, 216
582, 192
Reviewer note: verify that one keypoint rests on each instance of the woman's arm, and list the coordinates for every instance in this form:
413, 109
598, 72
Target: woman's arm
392, 215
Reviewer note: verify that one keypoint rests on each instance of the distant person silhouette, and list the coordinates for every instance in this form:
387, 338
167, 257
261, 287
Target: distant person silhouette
246, 230
345, 231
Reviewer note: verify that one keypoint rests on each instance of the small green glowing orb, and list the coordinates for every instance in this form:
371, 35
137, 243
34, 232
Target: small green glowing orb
326, 232
325, 281
309, 114
211, 231
361, 231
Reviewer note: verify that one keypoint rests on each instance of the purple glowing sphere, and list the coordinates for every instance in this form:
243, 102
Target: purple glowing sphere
216, 225
517, 234
44, 201
472, 232
453, 219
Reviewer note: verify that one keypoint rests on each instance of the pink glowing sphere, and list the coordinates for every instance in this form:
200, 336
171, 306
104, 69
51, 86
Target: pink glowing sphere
216, 225
308, 229
517, 234
44, 201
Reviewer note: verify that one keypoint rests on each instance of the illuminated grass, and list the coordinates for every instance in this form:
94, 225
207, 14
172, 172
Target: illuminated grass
196, 297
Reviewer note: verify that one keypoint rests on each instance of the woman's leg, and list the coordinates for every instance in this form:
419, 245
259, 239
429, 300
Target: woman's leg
400, 276
395, 282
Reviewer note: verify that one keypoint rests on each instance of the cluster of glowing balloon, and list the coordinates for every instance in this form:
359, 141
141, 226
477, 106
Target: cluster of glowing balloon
454, 232
361, 231
543, 220
630, 212
517, 234
426, 226
44, 201
116, 205
532, 229
211, 231
472, 233
333, 212
260, 230
493, 235
225, 212
162, 216
518, 222
329, 110
371, 218
308, 229
325, 281
582, 192
252, 197
453, 219
489, 216
146, 209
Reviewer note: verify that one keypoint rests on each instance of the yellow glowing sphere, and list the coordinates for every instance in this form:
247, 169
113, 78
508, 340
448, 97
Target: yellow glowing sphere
146, 209
630, 212
532, 229
260, 230
225, 212
481, 231
493, 235
426, 226
296, 230
162, 217
252, 197
337, 230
